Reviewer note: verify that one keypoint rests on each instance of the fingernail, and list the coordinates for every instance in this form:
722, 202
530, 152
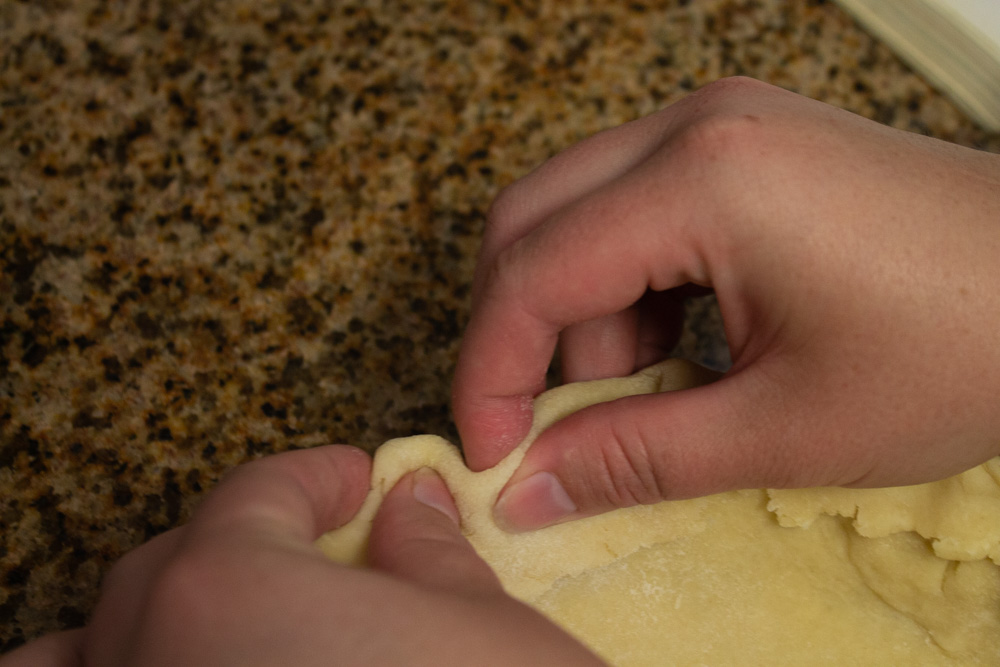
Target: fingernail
535, 502
430, 489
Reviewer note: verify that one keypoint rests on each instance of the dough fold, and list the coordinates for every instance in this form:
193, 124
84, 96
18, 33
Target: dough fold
814, 576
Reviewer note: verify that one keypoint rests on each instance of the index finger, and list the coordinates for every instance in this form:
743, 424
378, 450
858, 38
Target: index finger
296, 495
593, 258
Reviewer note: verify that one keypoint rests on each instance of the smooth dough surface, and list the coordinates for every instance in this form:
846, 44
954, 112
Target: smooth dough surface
909, 575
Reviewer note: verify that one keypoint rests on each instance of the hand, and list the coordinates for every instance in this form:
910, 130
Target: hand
243, 584
857, 272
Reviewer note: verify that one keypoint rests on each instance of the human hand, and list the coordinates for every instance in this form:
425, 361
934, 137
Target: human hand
243, 584
857, 272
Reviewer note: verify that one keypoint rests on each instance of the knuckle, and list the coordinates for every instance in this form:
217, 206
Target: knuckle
640, 480
506, 209
732, 86
726, 120
185, 587
726, 95
505, 278
506, 262
627, 474
724, 138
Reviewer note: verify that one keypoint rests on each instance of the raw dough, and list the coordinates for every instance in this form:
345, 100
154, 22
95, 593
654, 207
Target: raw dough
820, 576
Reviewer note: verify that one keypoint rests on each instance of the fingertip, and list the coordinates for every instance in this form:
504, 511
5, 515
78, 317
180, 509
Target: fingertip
537, 501
356, 461
403, 515
428, 488
635, 450
309, 492
493, 430
551, 483
336, 486
416, 536
501, 367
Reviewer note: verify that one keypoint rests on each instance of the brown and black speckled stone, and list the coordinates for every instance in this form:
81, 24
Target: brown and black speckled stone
234, 228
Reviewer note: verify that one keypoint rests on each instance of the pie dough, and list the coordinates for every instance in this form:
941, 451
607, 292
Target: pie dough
908, 575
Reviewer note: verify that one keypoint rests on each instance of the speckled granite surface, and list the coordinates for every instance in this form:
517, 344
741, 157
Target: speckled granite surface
233, 228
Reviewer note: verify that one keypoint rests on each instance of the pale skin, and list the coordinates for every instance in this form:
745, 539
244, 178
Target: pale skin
857, 268
242, 583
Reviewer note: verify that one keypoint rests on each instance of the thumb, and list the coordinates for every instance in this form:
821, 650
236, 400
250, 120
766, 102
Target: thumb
644, 449
416, 536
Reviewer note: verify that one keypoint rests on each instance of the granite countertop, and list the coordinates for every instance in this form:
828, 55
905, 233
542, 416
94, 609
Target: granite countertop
232, 228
